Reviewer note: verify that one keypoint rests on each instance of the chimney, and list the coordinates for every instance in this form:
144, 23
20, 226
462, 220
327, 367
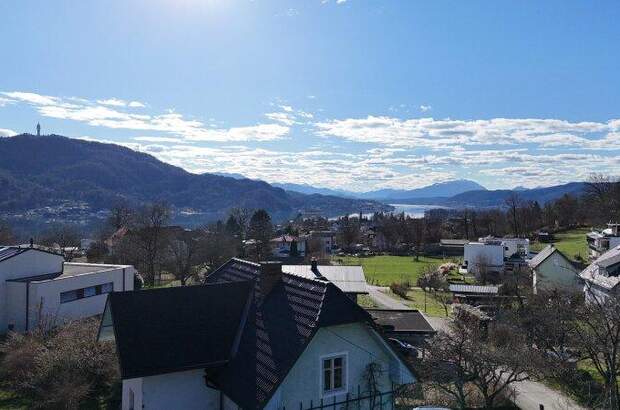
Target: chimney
314, 267
31, 242
270, 275
314, 264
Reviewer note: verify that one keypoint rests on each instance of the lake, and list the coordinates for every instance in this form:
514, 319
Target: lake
413, 211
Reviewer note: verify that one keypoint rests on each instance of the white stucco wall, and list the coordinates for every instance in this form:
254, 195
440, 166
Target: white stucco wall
30, 263
45, 295
476, 253
181, 390
361, 345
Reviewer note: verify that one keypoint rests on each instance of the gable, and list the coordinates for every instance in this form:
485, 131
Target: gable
361, 346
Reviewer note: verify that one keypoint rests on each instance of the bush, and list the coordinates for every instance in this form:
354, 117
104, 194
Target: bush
399, 289
60, 368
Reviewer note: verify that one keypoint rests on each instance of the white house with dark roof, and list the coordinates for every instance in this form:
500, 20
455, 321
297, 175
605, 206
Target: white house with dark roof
252, 337
602, 276
37, 285
552, 269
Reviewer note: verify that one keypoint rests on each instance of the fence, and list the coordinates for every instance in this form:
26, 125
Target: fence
352, 401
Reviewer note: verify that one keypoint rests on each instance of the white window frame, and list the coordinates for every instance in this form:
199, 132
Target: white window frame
345, 374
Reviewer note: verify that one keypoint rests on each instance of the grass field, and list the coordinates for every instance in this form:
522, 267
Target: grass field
571, 243
415, 300
384, 270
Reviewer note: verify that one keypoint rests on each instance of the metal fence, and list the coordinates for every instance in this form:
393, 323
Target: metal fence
353, 401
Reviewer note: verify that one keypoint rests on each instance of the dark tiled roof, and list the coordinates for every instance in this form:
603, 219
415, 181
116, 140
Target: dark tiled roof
407, 321
172, 329
277, 330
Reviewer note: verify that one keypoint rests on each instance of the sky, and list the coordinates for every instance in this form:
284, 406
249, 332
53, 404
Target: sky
349, 94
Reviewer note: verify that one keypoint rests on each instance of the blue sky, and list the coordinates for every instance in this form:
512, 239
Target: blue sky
354, 94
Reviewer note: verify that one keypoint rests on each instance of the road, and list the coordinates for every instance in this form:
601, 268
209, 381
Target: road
529, 395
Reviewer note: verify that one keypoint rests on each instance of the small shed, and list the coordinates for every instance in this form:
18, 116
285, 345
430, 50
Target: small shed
404, 324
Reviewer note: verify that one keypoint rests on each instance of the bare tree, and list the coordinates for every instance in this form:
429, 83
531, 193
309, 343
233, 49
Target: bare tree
64, 237
471, 364
184, 258
149, 231
513, 202
6, 234
597, 337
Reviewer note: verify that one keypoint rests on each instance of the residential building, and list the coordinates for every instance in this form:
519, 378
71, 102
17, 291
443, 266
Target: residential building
285, 246
601, 242
349, 279
253, 337
37, 286
602, 276
323, 242
482, 258
552, 269
495, 255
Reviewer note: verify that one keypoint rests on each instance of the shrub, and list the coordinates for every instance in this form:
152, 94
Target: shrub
399, 289
59, 368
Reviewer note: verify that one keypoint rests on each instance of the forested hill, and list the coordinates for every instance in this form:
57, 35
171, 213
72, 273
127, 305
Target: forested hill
43, 171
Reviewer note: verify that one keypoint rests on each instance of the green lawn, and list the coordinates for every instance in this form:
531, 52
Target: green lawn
384, 270
571, 243
415, 300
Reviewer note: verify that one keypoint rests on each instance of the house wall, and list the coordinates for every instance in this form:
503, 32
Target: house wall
556, 272
30, 263
44, 300
512, 246
361, 345
181, 390
491, 255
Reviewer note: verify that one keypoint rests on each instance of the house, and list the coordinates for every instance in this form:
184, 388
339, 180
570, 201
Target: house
37, 286
495, 255
323, 242
252, 337
552, 269
481, 257
349, 279
602, 276
408, 325
601, 242
285, 246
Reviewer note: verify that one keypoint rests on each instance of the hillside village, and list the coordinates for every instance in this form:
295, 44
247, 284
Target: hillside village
184, 313
310, 205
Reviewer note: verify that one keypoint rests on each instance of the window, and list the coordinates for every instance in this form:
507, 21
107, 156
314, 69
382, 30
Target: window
334, 374
68, 296
71, 295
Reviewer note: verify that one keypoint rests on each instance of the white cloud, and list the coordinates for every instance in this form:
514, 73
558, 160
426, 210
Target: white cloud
110, 114
431, 133
5, 132
425, 108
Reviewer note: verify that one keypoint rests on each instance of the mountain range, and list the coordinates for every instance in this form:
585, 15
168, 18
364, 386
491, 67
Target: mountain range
49, 170
440, 189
